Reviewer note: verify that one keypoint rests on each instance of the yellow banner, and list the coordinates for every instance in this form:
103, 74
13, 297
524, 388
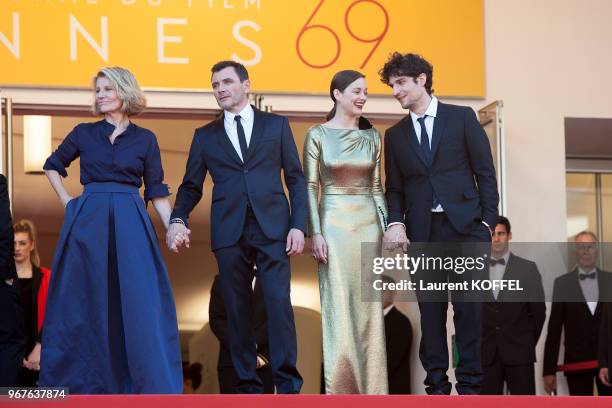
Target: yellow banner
287, 45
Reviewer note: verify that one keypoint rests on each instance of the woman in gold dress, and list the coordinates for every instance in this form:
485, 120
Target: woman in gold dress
342, 160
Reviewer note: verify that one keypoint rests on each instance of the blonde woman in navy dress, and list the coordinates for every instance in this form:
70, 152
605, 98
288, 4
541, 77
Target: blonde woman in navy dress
110, 324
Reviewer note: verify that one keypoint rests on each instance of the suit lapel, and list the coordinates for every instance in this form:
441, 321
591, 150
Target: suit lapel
577, 288
257, 133
490, 298
579, 295
438, 129
508, 270
413, 141
224, 140
600, 284
507, 275
510, 273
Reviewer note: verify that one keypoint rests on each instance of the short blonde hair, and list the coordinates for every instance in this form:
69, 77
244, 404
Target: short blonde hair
127, 88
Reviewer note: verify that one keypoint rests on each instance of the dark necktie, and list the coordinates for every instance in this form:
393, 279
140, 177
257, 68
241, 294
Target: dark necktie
425, 140
584, 276
500, 261
241, 137
427, 152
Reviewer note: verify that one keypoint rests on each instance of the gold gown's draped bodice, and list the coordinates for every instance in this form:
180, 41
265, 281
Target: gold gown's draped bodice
347, 206
342, 161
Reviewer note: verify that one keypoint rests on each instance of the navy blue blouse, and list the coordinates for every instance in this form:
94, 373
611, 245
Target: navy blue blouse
133, 157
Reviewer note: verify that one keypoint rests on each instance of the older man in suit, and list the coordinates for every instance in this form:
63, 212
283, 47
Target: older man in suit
246, 151
512, 320
440, 187
576, 310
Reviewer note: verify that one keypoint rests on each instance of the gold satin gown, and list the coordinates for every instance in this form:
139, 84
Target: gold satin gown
344, 164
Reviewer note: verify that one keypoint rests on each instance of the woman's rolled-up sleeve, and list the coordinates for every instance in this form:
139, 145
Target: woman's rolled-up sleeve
65, 154
154, 173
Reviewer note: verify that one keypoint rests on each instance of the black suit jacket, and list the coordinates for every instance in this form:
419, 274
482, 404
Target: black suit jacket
461, 175
512, 324
575, 319
257, 181
605, 338
218, 323
398, 335
7, 243
37, 276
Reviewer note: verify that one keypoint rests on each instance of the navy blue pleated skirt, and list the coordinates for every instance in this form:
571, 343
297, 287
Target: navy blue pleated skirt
110, 324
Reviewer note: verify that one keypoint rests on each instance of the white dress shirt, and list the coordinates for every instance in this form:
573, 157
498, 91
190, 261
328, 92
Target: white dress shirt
231, 127
430, 113
590, 289
496, 272
430, 116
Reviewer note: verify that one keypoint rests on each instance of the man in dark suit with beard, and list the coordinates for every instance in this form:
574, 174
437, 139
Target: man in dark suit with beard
576, 310
247, 153
512, 320
440, 187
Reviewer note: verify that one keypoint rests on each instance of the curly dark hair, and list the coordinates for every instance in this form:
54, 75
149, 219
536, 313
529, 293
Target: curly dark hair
410, 65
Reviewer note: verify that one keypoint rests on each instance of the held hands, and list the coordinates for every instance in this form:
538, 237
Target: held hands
33, 360
395, 237
319, 248
177, 236
295, 242
550, 384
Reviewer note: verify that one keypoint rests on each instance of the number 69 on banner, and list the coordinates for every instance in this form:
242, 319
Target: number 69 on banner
376, 40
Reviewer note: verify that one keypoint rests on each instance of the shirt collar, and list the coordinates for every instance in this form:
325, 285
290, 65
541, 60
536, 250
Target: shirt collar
387, 309
505, 257
583, 272
246, 114
432, 110
108, 127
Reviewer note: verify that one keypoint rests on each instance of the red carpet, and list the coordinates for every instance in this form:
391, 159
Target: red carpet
311, 401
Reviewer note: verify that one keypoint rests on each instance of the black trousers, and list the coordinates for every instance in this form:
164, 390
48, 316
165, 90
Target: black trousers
582, 384
12, 334
519, 378
28, 378
467, 318
274, 274
228, 379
